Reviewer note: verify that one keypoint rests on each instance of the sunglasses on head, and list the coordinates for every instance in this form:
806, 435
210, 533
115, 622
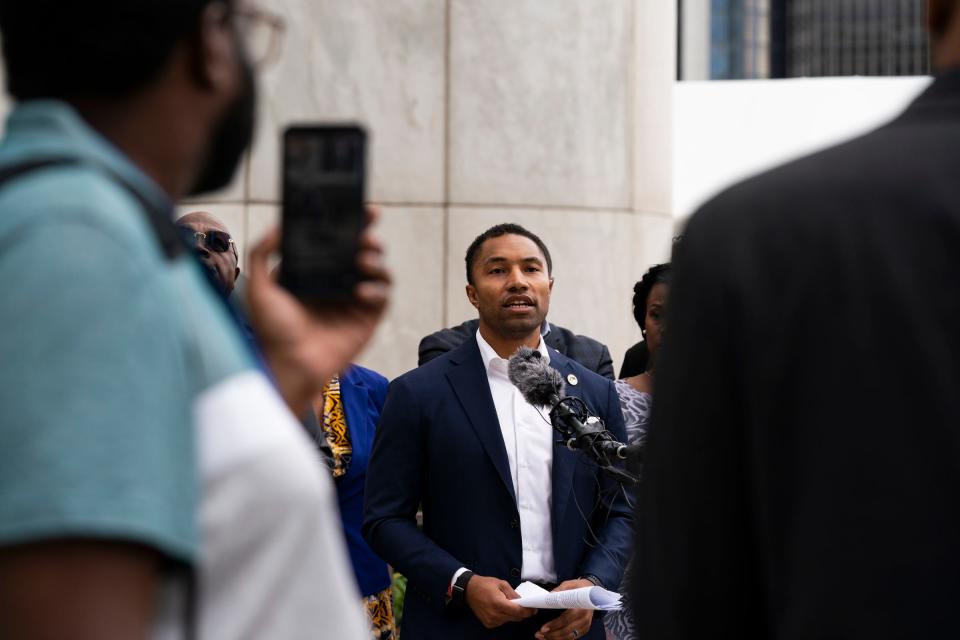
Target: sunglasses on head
217, 241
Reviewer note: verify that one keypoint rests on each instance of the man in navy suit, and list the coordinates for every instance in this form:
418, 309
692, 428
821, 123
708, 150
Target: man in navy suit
501, 504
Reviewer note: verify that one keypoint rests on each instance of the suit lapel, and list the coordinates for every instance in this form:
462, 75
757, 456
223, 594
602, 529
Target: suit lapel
468, 377
564, 460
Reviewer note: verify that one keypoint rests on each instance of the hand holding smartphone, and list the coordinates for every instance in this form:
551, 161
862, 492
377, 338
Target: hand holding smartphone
335, 285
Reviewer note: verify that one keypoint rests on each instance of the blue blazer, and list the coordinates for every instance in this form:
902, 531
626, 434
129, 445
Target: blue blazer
362, 392
439, 445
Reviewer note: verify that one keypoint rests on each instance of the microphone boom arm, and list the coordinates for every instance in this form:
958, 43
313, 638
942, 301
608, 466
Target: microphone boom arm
589, 434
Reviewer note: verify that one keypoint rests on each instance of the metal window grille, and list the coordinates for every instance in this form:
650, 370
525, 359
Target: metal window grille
797, 38
856, 37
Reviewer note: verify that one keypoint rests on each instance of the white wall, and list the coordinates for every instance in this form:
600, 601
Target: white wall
724, 131
552, 115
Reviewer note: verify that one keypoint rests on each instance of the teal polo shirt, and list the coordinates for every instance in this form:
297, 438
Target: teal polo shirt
105, 343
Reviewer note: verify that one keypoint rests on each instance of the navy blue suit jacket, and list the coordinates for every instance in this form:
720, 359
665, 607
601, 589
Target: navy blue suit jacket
439, 445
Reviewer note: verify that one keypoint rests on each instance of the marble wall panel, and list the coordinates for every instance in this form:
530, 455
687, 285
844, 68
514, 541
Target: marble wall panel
539, 103
234, 216
597, 258
655, 74
379, 63
413, 238
261, 218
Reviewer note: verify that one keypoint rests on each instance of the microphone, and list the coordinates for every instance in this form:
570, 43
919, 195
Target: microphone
541, 385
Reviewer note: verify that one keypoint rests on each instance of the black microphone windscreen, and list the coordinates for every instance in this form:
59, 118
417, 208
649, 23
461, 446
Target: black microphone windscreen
540, 384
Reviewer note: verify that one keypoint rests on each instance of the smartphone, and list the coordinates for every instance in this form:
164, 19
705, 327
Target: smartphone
323, 213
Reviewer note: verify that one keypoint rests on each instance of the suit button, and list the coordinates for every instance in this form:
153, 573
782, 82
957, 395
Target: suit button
514, 523
515, 572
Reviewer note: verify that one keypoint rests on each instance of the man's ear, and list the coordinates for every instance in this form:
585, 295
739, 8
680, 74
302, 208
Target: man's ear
213, 50
551, 284
472, 296
236, 273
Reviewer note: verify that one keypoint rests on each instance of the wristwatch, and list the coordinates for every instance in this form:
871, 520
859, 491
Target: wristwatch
456, 594
592, 578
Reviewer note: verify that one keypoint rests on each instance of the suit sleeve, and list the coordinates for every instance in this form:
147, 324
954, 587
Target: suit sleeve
614, 526
393, 493
694, 576
431, 346
438, 343
605, 365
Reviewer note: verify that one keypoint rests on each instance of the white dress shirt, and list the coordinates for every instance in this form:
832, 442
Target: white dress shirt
528, 437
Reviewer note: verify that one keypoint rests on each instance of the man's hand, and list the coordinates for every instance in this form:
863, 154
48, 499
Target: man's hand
306, 347
572, 623
489, 599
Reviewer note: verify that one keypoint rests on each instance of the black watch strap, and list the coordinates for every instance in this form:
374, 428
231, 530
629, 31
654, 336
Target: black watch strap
458, 592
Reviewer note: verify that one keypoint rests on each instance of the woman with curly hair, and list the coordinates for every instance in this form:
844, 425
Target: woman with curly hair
636, 396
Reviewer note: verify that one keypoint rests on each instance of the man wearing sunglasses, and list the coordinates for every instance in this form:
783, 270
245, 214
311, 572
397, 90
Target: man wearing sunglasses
214, 246
154, 481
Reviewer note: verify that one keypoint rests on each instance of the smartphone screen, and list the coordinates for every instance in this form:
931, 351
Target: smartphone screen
323, 213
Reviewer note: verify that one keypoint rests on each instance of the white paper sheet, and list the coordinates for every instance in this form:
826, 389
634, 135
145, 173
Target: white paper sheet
595, 598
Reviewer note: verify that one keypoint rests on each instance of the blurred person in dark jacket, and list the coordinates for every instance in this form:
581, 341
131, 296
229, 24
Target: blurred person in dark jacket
802, 469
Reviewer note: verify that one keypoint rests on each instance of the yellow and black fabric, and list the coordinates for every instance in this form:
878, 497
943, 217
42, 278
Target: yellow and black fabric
333, 422
380, 614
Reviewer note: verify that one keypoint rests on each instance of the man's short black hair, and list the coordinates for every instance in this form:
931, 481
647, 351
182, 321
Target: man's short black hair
506, 228
64, 49
940, 15
657, 274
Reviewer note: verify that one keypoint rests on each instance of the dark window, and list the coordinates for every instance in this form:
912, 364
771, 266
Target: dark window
807, 38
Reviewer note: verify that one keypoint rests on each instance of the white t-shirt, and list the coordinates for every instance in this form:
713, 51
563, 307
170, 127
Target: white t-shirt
273, 561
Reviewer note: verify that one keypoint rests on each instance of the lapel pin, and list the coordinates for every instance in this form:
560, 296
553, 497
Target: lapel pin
572, 379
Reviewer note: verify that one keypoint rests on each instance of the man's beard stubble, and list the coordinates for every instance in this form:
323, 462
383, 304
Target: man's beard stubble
230, 139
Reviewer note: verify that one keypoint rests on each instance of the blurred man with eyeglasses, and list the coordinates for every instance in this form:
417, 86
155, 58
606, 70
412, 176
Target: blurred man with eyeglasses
153, 481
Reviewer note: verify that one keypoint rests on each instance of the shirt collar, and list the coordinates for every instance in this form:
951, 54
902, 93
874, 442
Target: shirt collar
51, 128
544, 329
488, 355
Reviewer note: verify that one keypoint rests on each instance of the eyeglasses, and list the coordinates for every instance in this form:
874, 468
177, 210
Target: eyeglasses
262, 31
217, 241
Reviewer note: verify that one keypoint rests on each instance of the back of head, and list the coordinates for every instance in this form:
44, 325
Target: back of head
943, 20
940, 14
96, 49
